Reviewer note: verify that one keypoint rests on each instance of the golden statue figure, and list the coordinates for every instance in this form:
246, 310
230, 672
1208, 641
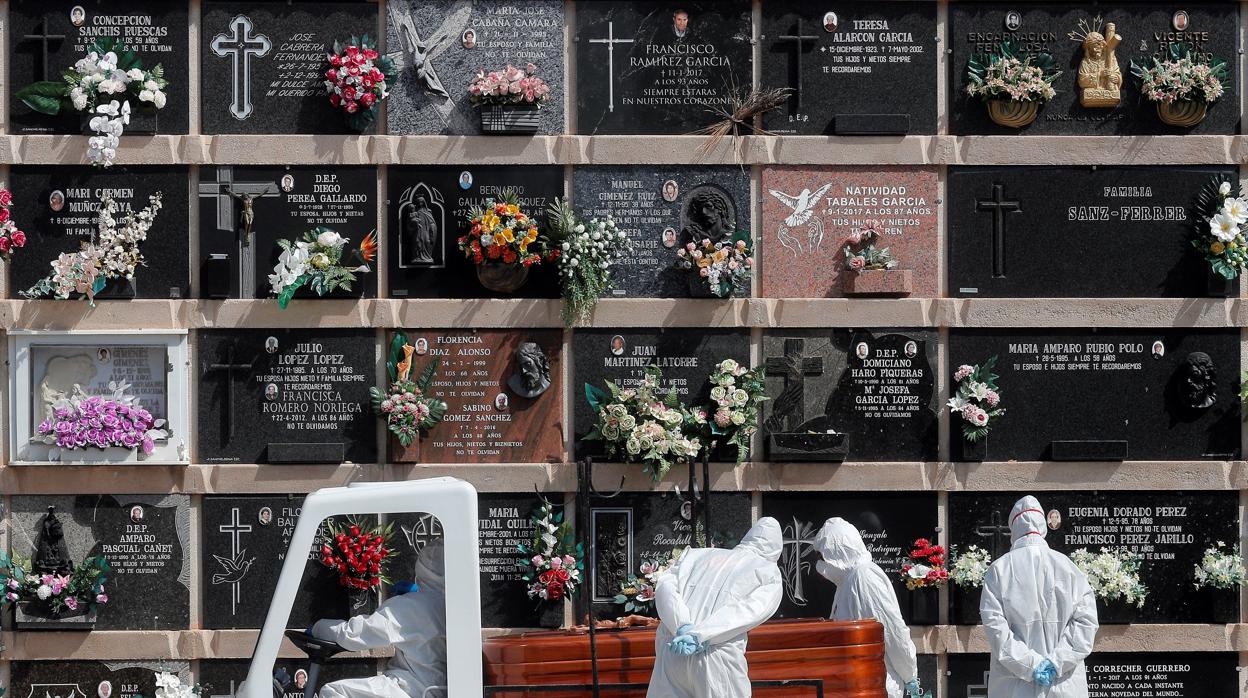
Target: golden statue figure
1100, 79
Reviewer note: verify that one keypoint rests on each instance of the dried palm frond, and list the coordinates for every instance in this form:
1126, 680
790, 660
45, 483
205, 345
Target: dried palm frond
742, 109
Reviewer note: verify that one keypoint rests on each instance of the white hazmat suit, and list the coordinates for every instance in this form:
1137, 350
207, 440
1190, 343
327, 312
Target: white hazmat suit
721, 595
864, 591
1036, 606
414, 623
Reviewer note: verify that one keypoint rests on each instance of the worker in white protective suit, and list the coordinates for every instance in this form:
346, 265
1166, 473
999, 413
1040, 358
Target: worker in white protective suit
707, 602
864, 591
1039, 614
414, 623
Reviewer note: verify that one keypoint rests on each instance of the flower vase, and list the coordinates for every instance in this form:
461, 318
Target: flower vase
923, 606
879, 282
964, 605
550, 614
1012, 113
973, 451
361, 603
1219, 286
37, 616
1183, 114
509, 119
398, 453
117, 289
699, 288
502, 278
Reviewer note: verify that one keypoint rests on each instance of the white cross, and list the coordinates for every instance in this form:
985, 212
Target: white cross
240, 47
610, 41
235, 528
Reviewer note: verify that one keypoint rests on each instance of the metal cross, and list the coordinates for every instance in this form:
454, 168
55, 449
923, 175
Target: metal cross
610, 41
998, 206
229, 367
995, 530
794, 367
43, 37
799, 40
226, 190
239, 48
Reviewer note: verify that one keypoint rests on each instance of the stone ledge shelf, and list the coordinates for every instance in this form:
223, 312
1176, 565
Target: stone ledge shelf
962, 639
626, 150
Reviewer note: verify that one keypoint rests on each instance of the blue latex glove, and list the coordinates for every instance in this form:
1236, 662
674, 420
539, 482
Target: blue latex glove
309, 631
685, 643
1045, 674
912, 689
403, 588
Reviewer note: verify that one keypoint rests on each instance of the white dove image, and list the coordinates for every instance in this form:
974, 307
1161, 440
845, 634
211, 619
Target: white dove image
803, 206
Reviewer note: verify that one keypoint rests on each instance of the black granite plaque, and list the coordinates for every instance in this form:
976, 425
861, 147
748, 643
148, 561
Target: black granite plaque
57, 208
659, 67
662, 209
244, 211
850, 395
244, 541
1170, 394
428, 210
286, 396
122, 678
1118, 232
263, 64
687, 358
47, 38
856, 68
1118, 674
223, 677
1146, 30
889, 523
1169, 530
633, 528
144, 538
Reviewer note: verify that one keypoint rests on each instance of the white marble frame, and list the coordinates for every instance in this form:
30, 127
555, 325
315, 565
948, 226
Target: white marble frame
175, 451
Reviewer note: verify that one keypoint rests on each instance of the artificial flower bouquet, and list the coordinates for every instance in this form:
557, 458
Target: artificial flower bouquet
79, 592
969, 566
1182, 84
718, 269
316, 261
1113, 574
503, 243
509, 99
861, 253
359, 552
407, 405
587, 251
102, 84
83, 421
926, 566
11, 237
637, 592
1012, 84
112, 254
1222, 567
358, 80
732, 417
643, 424
978, 400
168, 685
553, 562
1221, 213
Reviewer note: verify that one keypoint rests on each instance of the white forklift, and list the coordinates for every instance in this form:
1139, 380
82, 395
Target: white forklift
454, 503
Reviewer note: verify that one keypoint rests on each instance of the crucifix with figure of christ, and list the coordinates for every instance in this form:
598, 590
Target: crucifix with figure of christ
790, 406
799, 47
226, 190
998, 206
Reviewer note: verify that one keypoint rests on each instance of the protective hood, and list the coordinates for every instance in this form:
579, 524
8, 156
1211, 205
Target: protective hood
1027, 519
430, 570
764, 539
842, 548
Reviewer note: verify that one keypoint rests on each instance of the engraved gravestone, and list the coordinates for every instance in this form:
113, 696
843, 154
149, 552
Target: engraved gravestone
661, 209
1114, 674
263, 64
57, 207
855, 68
429, 208
47, 38
144, 538
224, 677
1117, 232
1114, 394
244, 211
286, 396
659, 67
118, 678
440, 46
850, 395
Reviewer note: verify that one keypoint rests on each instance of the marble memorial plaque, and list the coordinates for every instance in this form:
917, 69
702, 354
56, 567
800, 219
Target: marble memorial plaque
47, 38
1151, 394
144, 538
1119, 674
1145, 30
119, 678
57, 208
1169, 530
661, 209
286, 396
809, 214
889, 523
263, 64
1116, 232
882, 406
856, 68
428, 209
244, 211
489, 418
225, 676
442, 45
660, 67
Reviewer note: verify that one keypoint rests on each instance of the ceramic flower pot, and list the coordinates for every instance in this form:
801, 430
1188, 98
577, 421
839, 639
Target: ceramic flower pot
37, 616
117, 289
879, 282
510, 119
1011, 113
398, 453
1184, 114
502, 278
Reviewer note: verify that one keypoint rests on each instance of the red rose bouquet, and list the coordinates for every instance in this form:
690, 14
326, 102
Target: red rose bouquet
11, 237
359, 553
554, 561
926, 567
358, 79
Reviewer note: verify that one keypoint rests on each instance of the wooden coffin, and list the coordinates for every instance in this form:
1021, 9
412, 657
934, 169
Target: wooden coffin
847, 655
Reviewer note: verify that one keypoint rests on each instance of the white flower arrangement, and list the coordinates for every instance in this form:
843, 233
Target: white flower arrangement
978, 399
1113, 573
587, 251
170, 686
1221, 219
642, 425
1222, 567
316, 261
969, 567
732, 417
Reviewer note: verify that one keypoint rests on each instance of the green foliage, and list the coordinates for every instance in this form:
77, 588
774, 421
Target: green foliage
45, 97
1228, 260
1177, 76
